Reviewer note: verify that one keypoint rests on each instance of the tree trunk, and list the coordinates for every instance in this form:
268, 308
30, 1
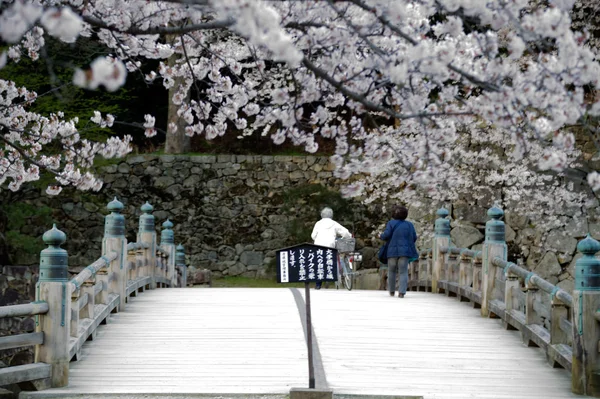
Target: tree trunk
177, 142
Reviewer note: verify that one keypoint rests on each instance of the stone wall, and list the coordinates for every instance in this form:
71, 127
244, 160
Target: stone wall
17, 286
231, 212
549, 253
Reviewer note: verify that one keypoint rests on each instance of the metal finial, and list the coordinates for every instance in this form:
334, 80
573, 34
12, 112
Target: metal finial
495, 228
54, 237
166, 235
442, 225
587, 268
54, 260
147, 208
115, 205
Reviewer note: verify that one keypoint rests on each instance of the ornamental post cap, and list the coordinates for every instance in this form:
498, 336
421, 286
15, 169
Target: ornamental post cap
168, 224
115, 206
180, 248
495, 212
442, 212
147, 208
588, 246
54, 236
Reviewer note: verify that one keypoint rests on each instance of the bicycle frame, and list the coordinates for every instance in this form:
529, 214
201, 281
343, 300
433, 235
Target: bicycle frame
346, 274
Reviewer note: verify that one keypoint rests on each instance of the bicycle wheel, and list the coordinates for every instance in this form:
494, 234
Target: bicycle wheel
347, 277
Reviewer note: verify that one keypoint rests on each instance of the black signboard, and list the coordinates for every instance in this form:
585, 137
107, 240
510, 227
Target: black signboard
306, 263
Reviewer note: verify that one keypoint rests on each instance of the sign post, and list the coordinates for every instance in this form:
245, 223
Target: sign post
307, 263
311, 368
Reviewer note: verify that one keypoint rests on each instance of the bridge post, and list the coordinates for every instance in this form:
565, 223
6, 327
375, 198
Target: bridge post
131, 264
115, 241
160, 267
465, 275
53, 287
140, 270
493, 247
180, 263
167, 242
585, 379
147, 234
451, 275
477, 276
441, 239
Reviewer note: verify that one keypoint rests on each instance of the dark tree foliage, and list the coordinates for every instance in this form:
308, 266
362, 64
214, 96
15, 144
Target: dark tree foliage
52, 81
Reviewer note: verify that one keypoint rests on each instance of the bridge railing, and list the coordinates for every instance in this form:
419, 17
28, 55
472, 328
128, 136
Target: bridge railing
68, 311
37, 374
566, 326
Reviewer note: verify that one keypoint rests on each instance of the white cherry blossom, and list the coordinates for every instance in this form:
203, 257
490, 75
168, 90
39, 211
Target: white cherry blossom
422, 98
62, 23
104, 71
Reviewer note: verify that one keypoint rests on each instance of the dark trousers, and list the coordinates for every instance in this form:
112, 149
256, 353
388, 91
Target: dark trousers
398, 266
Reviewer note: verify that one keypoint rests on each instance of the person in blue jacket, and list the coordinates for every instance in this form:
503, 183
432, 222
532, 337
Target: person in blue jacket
402, 237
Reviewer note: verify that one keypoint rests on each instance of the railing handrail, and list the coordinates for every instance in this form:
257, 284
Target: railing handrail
467, 253
450, 250
23, 310
163, 252
534, 279
134, 246
92, 269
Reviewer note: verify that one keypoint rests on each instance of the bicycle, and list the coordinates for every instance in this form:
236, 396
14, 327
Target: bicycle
345, 247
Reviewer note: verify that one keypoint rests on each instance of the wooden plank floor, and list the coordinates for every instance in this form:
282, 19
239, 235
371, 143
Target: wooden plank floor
426, 344
250, 341
196, 340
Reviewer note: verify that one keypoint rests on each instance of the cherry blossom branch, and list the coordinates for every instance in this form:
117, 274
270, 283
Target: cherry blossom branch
368, 104
166, 30
186, 2
371, 45
138, 126
26, 156
470, 77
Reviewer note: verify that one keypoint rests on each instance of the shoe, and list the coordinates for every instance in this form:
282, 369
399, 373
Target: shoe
317, 287
400, 295
392, 293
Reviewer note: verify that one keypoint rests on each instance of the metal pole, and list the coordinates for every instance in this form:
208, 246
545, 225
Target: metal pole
311, 370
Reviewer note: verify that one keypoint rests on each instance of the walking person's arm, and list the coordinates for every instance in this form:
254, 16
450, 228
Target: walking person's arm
342, 231
314, 233
386, 235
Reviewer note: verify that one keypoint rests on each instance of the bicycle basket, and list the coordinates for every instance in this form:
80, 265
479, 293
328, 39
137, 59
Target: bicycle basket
345, 244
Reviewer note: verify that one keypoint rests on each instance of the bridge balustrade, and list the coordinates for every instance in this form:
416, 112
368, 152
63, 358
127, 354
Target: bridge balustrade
565, 326
68, 311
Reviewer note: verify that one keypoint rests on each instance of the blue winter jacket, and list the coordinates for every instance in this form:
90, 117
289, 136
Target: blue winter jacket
402, 242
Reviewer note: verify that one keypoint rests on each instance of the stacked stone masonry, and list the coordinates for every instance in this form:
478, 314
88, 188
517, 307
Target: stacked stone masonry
226, 209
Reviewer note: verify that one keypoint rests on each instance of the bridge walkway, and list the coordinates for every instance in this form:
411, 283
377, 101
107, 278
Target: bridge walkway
188, 341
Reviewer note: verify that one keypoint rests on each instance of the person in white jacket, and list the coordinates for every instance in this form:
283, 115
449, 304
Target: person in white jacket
326, 231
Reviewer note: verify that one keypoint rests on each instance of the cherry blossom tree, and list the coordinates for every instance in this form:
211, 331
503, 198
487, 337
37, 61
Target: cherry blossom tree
586, 17
420, 96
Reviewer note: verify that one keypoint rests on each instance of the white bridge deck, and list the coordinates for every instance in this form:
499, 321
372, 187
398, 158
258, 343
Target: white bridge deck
251, 341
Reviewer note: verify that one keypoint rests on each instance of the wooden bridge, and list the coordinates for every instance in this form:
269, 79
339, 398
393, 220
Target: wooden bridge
473, 326
251, 341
